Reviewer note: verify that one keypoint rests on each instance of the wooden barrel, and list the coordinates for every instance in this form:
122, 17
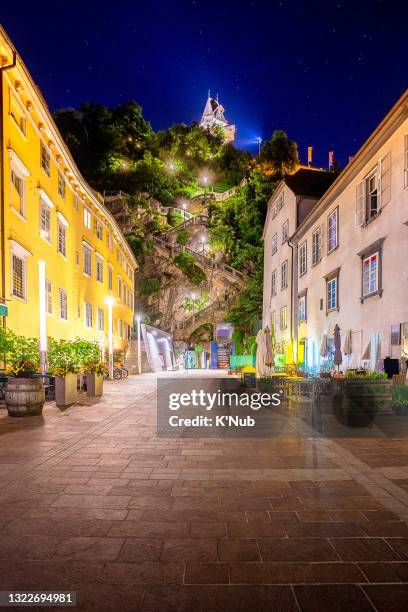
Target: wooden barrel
24, 396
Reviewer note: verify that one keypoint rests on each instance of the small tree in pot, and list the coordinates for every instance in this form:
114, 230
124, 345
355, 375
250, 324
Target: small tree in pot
94, 369
24, 395
63, 364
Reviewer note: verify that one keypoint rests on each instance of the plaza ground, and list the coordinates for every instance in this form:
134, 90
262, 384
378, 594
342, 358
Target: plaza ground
92, 501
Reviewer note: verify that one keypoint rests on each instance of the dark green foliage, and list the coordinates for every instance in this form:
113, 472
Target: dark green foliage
174, 218
182, 237
186, 263
237, 338
148, 286
203, 333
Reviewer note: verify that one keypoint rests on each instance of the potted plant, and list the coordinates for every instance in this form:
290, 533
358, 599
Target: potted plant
63, 364
25, 393
94, 370
400, 400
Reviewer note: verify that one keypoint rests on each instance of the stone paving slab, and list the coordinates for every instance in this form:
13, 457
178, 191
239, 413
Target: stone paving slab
92, 500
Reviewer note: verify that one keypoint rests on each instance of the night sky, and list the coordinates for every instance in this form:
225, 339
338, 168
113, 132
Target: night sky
325, 72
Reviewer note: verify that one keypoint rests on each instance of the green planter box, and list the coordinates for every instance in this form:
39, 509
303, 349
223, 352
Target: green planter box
239, 361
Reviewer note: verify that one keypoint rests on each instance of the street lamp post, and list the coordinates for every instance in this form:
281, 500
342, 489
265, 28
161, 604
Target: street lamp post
110, 302
259, 141
139, 355
43, 317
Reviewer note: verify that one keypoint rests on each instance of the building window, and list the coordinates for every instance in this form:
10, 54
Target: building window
17, 115
274, 211
63, 304
62, 238
19, 276
119, 288
285, 231
87, 218
45, 220
332, 231
281, 200
302, 308
48, 296
284, 274
110, 277
76, 202
406, 160
332, 289
119, 257
99, 269
370, 274
61, 184
316, 246
87, 254
303, 258
98, 229
17, 196
45, 159
101, 319
88, 315
274, 243
109, 241
372, 199
120, 328
273, 283
283, 317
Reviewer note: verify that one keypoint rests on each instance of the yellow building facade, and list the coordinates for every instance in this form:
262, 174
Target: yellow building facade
64, 260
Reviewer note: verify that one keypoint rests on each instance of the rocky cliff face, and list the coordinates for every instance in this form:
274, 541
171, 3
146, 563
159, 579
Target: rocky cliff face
164, 291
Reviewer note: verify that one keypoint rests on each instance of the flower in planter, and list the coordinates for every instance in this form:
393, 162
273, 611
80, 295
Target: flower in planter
94, 366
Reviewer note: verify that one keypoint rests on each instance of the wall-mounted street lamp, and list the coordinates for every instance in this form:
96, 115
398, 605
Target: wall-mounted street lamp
43, 317
139, 355
110, 301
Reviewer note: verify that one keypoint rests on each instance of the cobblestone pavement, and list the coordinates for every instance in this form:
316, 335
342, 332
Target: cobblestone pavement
92, 501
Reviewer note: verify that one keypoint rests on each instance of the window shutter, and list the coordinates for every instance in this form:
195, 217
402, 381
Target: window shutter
321, 250
385, 179
360, 203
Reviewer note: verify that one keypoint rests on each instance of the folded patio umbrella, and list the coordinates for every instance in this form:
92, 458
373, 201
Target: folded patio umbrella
338, 357
269, 356
347, 348
323, 346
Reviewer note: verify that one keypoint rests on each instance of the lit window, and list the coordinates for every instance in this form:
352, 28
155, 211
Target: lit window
45, 220
87, 254
45, 159
19, 276
61, 185
109, 241
87, 218
302, 308
119, 288
332, 231
99, 269
110, 277
62, 238
101, 319
285, 231
63, 304
316, 246
76, 202
48, 296
283, 317
120, 328
274, 243
332, 293
303, 258
370, 274
88, 315
284, 274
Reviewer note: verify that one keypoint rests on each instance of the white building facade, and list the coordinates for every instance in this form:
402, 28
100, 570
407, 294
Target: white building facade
350, 263
293, 199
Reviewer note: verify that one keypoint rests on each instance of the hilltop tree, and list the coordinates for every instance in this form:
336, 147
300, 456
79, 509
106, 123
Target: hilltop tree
280, 153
